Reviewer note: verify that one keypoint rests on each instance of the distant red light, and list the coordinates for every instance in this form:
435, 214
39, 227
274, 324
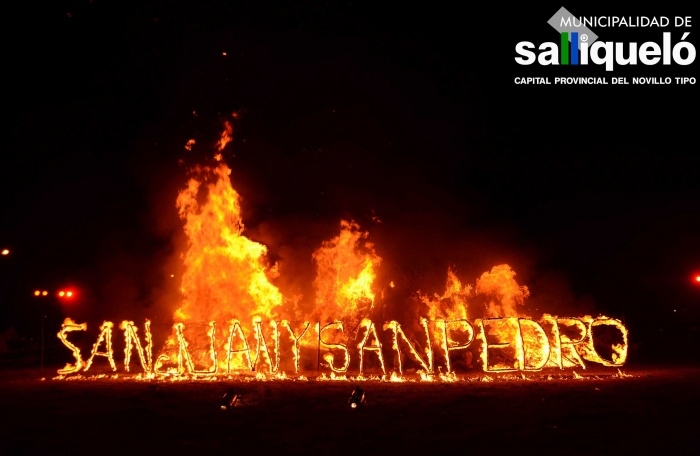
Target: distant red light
697, 278
66, 294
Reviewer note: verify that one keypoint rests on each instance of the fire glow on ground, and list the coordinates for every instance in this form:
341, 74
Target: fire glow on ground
648, 410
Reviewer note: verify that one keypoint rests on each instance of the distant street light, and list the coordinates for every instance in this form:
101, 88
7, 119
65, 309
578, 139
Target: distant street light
5, 252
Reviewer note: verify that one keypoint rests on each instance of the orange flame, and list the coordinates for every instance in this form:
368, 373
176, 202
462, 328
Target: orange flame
226, 274
346, 269
502, 289
226, 136
498, 287
452, 304
227, 278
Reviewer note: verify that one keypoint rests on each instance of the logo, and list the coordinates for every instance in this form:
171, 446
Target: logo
579, 45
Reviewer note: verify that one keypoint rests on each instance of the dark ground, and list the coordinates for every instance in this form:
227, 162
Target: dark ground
653, 411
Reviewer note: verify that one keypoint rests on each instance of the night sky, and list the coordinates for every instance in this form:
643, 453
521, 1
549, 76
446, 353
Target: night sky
406, 114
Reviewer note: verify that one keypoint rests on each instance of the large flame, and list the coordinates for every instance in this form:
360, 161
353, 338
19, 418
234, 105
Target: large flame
227, 280
226, 274
503, 292
497, 289
452, 304
227, 286
346, 268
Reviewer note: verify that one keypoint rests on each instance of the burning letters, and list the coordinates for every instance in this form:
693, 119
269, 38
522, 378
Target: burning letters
502, 344
233, 318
